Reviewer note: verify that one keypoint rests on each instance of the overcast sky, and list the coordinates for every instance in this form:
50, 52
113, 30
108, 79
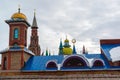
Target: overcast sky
87, 21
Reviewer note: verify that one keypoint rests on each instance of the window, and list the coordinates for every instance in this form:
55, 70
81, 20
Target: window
16, 33
98, 63
15, 44
4, 63
51, 65
73, 62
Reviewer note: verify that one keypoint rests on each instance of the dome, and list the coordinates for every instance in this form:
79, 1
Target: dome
67, 51
19, 16
66, 40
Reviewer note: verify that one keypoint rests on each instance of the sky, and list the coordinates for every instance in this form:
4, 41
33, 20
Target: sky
87, 21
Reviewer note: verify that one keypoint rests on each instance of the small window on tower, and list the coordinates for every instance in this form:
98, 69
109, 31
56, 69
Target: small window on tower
16, 32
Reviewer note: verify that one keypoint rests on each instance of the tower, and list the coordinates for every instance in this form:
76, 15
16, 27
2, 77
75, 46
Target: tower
66, 48
17, 54
74, 49
60, 48
84, 51
34, 41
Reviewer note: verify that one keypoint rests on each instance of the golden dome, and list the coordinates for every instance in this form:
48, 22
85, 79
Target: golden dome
19, 16
67, 51
66, 40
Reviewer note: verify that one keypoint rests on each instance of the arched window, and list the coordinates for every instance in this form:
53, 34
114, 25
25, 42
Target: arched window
16, 33
4, 63
15, 45
98, 63
74, 62
51, 65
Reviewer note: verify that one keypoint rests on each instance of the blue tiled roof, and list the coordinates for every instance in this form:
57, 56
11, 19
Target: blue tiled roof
106, 48
98, 56
39, 62
92, 56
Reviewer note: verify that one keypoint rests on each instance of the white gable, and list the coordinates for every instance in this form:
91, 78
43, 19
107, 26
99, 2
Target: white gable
115, 54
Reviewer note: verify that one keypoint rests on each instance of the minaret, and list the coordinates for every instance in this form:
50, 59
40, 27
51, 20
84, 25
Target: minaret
60, 48
34, 42
15, 57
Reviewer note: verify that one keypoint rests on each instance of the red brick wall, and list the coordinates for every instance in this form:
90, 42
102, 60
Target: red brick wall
63, 75
22, 41
110, 41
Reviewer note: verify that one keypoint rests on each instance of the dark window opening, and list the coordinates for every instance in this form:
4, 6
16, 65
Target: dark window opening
98, 63
51, 65
4, 63
74, 62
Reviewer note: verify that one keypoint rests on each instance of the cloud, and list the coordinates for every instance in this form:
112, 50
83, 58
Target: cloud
86, 21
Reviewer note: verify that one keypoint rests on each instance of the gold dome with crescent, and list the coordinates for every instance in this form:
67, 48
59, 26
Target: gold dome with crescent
19, 15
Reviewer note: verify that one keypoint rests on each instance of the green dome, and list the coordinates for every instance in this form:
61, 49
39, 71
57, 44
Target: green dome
67, 51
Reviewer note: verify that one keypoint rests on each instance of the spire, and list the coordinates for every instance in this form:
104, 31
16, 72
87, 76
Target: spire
18, 8
60, 48
34, 40
84, 50
49, 53
34, 24
42, 53
74, 49
46, 52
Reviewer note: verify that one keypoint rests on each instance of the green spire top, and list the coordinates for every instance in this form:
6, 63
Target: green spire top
46, 52
49, 53
60, 48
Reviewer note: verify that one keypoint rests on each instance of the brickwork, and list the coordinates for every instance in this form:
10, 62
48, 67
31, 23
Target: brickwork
110, 41
64, 75
3, 56
15, 60
22, 34
26, 56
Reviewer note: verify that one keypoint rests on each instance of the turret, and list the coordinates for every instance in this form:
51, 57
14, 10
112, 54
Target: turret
34, 41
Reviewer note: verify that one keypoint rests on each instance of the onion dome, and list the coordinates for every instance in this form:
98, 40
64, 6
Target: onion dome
66, 40
19, 15
67, 51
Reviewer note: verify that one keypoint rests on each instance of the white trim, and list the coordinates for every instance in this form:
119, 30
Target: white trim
96, 60
51, 61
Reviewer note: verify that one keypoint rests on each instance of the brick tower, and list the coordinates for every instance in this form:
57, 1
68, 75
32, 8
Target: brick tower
34, 42
17, 54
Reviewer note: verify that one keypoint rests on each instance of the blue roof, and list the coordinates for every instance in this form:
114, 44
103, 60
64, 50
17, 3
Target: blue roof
39, 62
106, 48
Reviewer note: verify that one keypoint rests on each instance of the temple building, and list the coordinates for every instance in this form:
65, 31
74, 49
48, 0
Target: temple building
20, 62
